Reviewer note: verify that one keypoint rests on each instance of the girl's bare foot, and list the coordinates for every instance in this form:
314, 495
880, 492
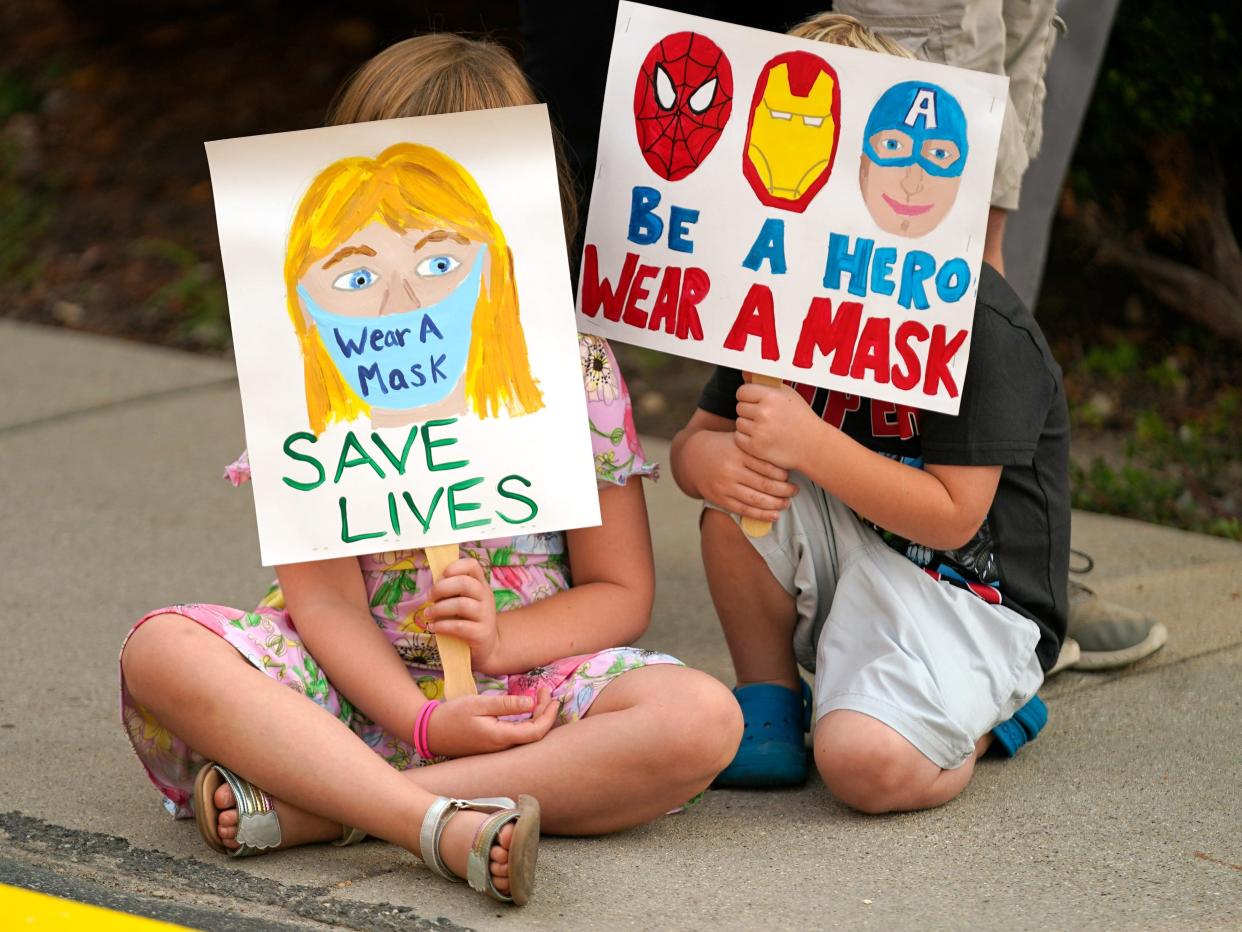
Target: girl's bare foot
298, 827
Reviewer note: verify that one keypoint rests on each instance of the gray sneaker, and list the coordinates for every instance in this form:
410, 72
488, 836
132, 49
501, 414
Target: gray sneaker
1110, 635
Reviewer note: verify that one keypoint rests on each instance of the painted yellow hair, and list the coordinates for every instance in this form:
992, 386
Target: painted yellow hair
410, 187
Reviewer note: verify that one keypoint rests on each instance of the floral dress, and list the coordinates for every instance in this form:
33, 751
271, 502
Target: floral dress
521, 570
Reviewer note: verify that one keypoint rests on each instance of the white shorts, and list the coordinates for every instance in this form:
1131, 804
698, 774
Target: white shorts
935, 663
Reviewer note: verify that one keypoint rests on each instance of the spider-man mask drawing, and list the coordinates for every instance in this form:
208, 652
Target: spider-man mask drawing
682, 101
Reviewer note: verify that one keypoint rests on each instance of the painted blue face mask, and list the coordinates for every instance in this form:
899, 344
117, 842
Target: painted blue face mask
405, 360
929, 116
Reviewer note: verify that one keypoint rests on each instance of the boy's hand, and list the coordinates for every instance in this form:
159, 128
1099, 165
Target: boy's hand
472, 724
740, 483
465, 608
775, 423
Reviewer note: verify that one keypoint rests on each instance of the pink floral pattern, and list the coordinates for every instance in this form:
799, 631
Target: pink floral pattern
521, 570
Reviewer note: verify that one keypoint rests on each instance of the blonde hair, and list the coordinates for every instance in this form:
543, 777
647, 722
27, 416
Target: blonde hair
446, 73
840, 29
409, 186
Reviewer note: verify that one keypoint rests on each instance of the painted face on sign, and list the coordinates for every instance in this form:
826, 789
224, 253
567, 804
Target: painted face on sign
794, 125
682, 102
401, 287
402, 300
914, 151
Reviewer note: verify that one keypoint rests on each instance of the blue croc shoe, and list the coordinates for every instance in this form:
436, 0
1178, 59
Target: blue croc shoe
1024, 727
773, 748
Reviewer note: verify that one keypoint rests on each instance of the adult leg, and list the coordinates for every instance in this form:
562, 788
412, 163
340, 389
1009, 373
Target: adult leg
756, 613
870, 767
199, 687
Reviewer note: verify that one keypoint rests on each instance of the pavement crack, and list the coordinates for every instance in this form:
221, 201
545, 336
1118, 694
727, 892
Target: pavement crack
107, 870
118, 404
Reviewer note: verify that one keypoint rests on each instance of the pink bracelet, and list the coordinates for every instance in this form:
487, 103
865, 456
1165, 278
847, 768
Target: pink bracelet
419, 736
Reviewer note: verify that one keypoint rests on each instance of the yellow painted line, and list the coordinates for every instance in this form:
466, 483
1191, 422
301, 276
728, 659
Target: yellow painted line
25, 909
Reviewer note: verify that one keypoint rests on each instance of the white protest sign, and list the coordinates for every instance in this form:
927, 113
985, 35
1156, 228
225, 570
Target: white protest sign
792, 208
404, 331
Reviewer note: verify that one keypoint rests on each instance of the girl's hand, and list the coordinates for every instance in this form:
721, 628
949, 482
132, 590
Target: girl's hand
775, 422
739, 482
465, 608
472, 724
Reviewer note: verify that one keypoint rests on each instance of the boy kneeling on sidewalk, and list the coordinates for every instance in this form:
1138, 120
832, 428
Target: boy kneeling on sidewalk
917, 565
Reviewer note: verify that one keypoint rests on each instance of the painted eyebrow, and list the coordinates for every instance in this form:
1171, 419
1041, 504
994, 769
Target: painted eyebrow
349, 251
438, 236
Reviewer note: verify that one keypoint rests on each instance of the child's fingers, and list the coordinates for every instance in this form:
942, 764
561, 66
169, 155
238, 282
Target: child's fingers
467, 585
747, 511
456, 607
466, 566
750, 392
752, 498
471, 631
773, 487
766, 469
534, 727
501, 705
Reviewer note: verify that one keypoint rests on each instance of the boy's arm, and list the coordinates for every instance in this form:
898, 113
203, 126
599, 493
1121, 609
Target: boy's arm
940, 506
708, 464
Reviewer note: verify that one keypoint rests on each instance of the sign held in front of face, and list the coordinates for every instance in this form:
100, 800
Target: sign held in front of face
404, 333
788, 207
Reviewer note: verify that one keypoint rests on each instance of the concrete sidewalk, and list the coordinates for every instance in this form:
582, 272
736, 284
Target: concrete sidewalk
1126, 813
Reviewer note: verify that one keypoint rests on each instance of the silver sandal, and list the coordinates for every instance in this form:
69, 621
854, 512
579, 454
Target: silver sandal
523, 845
258, 827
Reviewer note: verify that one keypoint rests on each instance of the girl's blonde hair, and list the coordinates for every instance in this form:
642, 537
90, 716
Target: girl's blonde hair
409, 186
840, 29
446, 73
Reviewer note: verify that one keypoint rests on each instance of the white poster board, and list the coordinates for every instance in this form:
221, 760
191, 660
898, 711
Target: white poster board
404, 332
792, 208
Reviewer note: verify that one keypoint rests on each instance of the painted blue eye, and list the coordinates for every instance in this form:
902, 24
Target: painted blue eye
435, 266
891, 145
356, 280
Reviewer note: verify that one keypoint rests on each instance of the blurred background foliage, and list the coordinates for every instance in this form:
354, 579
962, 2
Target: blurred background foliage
106, 220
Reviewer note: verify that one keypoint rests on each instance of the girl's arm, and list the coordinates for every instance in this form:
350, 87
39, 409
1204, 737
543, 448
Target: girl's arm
608, 605
327, 601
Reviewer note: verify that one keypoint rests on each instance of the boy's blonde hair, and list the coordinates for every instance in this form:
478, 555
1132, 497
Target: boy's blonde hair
840, 29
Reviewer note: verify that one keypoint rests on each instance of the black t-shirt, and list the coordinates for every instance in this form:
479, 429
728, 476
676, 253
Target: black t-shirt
1012, 414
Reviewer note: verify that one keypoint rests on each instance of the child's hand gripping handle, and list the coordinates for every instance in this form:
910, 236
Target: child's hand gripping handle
753, 527
454, 652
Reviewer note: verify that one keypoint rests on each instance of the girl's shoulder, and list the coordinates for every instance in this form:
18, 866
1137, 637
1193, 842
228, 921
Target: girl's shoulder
614, 438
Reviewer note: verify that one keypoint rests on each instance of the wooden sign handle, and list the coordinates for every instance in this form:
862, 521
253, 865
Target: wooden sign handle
754, 527
454, 652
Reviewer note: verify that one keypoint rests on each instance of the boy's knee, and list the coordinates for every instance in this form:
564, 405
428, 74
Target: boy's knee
869, 766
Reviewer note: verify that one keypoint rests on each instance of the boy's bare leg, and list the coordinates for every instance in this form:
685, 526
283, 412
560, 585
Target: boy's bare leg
756, 613
870, 767
199, 687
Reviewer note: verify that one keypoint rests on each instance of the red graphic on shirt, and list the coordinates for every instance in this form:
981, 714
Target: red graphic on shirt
682, 102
